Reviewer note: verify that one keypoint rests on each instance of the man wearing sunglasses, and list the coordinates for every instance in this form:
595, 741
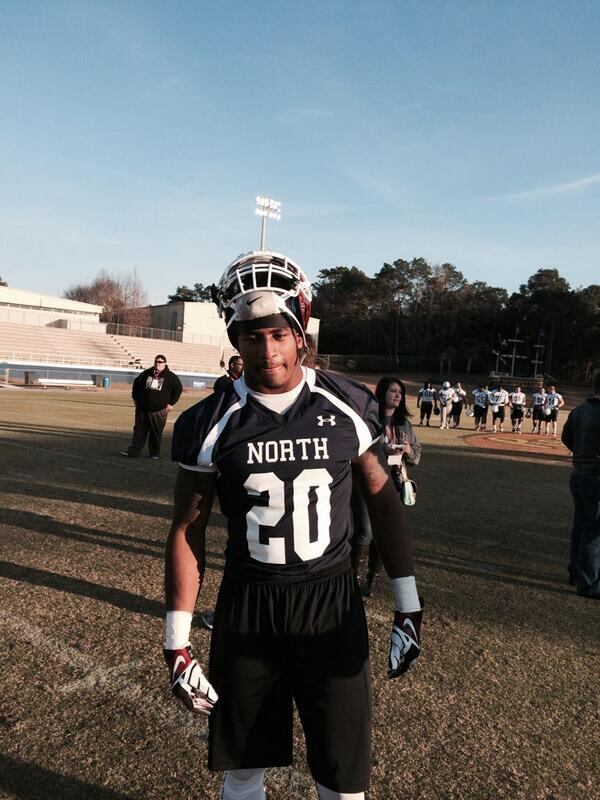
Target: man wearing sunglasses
155, 391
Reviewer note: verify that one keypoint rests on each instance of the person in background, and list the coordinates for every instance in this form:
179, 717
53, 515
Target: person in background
539, 402
402, 449
155, 391
517, 402
235, 367
481, 398
446, 398
457, 404
498, 400
552, 403
426, 400
581, 434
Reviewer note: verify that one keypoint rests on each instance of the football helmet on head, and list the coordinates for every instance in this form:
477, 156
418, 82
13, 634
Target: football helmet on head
260, 284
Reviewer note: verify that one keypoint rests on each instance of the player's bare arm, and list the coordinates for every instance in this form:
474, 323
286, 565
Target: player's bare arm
184, 570
185, 552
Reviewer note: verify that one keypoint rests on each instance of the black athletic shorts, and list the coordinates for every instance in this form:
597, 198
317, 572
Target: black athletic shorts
552, 416
480, 412
498, 414
516, 412
306, 642
538, 414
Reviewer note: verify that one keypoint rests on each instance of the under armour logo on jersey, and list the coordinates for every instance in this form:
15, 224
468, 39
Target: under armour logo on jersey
323, 420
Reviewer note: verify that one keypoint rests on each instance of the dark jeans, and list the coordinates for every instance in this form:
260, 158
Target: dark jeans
148, 425
584, 558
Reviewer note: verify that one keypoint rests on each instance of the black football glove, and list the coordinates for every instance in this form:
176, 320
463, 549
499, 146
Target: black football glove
188, 682
405, 641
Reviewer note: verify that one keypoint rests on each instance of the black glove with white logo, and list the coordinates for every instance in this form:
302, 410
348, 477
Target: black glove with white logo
405, 641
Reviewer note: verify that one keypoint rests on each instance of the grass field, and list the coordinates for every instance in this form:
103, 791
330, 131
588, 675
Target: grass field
503, 703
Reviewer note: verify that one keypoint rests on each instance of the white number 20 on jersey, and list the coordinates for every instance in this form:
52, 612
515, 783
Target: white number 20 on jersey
270, 515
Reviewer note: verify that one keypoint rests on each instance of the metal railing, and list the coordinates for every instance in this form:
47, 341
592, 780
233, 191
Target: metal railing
37, 358
141, 332
41, 319
49, 319
31, 357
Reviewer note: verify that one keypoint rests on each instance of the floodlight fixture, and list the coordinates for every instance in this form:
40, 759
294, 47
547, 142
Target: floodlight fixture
266, 208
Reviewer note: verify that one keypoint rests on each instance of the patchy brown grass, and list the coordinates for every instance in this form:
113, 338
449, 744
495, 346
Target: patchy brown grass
502, 704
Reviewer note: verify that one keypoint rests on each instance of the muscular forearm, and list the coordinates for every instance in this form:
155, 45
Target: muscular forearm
186, 551
184, 566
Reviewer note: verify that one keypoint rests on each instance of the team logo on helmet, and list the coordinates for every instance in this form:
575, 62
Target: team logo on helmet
261, 283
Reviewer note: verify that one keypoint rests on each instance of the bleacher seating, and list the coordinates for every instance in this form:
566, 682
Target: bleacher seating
70, 347
180, 355
57, 345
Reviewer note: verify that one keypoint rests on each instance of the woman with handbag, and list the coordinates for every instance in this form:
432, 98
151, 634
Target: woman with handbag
402, 449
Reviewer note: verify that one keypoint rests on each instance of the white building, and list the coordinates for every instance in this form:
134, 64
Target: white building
45, 310
195, 320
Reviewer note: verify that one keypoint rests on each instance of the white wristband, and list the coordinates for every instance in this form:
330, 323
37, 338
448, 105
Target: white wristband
179, 624
405, 592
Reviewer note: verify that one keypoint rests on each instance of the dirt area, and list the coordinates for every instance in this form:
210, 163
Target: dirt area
502, 704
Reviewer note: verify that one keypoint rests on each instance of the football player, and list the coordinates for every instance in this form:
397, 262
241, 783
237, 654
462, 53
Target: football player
498, 400
481, 398
426, 399
517, 402
280, 451
539, 401
446, 397
553, 401
457, 404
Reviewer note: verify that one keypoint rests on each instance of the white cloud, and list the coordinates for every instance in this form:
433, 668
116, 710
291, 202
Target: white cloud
560, 188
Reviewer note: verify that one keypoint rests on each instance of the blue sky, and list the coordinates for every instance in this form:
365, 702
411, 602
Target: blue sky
137, 134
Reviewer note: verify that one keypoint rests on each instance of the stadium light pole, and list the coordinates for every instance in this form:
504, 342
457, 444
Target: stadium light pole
266, 208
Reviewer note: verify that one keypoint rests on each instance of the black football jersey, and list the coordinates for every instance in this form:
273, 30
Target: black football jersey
283, 480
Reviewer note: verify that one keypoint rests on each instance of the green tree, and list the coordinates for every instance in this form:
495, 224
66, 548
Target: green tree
399, 289
198, 294
546, 306
342, 299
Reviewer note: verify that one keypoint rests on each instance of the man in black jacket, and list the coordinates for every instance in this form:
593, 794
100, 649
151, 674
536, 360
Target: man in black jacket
155, 391
234, 370
581, 434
